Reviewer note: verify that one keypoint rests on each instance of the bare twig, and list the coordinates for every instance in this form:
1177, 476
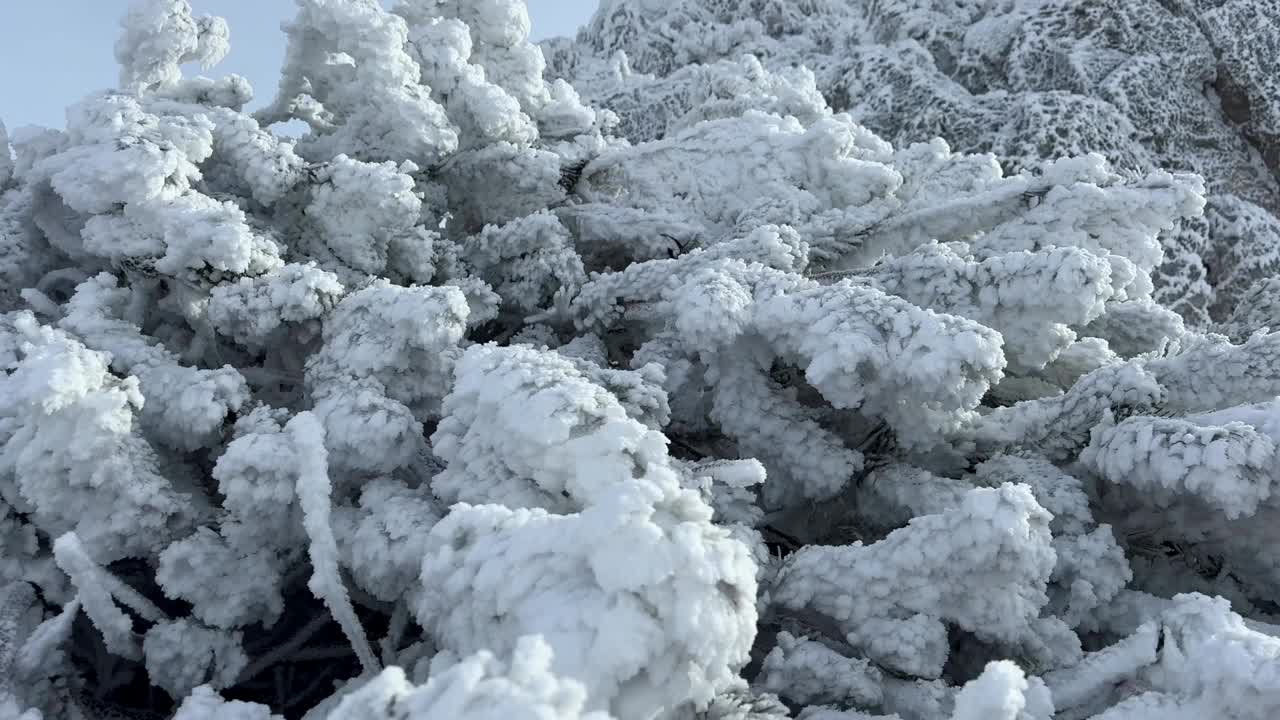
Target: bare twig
286, 649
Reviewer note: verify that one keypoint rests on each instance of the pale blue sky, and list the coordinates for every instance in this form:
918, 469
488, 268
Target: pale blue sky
53, 52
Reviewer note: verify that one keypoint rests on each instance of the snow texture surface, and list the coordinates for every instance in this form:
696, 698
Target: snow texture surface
734, 360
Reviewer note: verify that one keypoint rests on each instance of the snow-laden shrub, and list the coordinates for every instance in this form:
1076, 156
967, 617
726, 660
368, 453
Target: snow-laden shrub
462, 405
1186, 84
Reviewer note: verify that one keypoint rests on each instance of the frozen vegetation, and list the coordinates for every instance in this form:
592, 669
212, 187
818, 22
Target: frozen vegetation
735, 360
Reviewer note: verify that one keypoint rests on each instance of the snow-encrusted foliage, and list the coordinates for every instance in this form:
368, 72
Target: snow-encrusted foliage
1177, 84
731, 393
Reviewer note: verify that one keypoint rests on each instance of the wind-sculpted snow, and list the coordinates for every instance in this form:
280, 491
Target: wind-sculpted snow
640, 632
988, 579
830, 360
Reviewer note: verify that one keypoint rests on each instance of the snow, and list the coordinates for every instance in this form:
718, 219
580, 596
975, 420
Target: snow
735, 360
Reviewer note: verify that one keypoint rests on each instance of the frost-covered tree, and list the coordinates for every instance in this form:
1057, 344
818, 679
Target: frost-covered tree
1187, 84
716, 396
